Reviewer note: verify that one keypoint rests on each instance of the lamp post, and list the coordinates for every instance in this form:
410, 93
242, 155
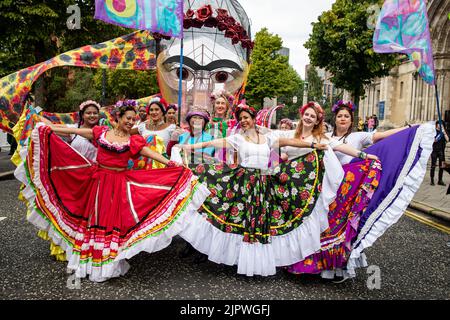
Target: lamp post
305, 92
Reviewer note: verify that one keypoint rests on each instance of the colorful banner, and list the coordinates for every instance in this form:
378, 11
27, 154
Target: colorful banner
161, 16
264, 116
133, 51
403, 27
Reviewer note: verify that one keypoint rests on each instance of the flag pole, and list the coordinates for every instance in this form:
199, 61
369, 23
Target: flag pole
438, 106
180, 81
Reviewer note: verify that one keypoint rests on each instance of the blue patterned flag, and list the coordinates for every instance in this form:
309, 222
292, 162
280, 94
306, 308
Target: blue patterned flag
403, 27
161, 16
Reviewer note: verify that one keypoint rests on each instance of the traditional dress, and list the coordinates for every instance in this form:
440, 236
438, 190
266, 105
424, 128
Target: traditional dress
101, 216
220, 128
258, 219
370, 201
165, 134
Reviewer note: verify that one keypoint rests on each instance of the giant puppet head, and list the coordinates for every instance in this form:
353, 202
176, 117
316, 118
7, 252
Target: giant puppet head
216, 50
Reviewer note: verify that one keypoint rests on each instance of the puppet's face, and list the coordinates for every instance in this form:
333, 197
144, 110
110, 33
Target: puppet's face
208, 65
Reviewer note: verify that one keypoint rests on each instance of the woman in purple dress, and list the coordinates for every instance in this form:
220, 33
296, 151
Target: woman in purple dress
369, 201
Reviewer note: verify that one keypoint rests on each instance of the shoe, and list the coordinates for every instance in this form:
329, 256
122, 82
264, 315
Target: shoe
441, 183
432, 183
340, 279
200, 258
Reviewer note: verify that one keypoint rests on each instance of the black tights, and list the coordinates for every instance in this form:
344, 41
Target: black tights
434, 158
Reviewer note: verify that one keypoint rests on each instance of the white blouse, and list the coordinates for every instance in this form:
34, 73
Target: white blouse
250, 155
165, 134
83, 145
358, 140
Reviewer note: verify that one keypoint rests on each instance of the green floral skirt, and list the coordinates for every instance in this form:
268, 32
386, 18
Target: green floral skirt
257, 204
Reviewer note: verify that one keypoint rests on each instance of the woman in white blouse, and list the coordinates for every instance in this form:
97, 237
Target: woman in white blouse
156, 124
89, 116
259, 219
343, 130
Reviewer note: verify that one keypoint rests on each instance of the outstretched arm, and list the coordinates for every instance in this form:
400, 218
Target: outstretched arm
355, 153
377, 136
292, 142
147, 152
218, 143
84, 132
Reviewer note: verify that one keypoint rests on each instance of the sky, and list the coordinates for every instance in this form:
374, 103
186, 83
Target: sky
291, 20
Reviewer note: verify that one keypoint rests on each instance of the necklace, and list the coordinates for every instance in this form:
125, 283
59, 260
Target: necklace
304, 137
120, 134
152, 126
251, 140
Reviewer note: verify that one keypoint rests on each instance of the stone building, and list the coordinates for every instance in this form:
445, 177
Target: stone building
403, 96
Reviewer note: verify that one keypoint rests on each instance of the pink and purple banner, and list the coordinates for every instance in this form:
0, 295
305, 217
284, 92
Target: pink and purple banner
403, 27
161, 16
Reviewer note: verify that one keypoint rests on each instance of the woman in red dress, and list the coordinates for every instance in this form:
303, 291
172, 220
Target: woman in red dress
102, 214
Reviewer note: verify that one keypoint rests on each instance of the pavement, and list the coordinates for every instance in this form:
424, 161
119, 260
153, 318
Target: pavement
6, 166
430, 200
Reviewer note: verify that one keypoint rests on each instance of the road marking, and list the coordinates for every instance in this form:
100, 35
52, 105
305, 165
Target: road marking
428, 222
2, 218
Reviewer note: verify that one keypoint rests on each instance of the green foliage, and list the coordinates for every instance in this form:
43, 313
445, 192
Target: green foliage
270, 73
33, 31
127, 84
315, 85
341, 42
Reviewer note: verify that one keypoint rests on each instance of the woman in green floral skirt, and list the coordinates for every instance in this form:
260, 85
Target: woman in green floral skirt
258, 218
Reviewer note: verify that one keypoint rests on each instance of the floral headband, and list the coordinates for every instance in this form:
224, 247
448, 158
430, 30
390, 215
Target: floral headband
89, 103
286, 121
343, 103
222, 94
244, 107
314, 105
172, 106
126, 103
160, 102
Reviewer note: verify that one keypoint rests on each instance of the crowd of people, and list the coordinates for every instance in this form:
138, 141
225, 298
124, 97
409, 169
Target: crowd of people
301, 199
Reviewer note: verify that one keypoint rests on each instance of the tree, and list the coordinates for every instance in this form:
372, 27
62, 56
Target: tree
34, 31
341, 42
315, 85
270, 74
290, 109
127, 84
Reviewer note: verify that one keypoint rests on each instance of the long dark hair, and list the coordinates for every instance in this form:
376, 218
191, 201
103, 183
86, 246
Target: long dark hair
352, 117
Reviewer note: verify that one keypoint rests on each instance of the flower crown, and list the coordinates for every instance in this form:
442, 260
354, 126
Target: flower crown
286, 121
315, 105
89, 103
126, 103
222, 94
244, 107
343, 103
172, 106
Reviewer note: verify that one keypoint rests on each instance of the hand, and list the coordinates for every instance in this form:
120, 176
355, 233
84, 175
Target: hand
176, 134
172, 164
372, 157
320, 146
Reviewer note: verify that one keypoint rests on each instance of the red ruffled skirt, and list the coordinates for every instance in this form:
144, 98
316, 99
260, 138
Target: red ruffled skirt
100, 216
